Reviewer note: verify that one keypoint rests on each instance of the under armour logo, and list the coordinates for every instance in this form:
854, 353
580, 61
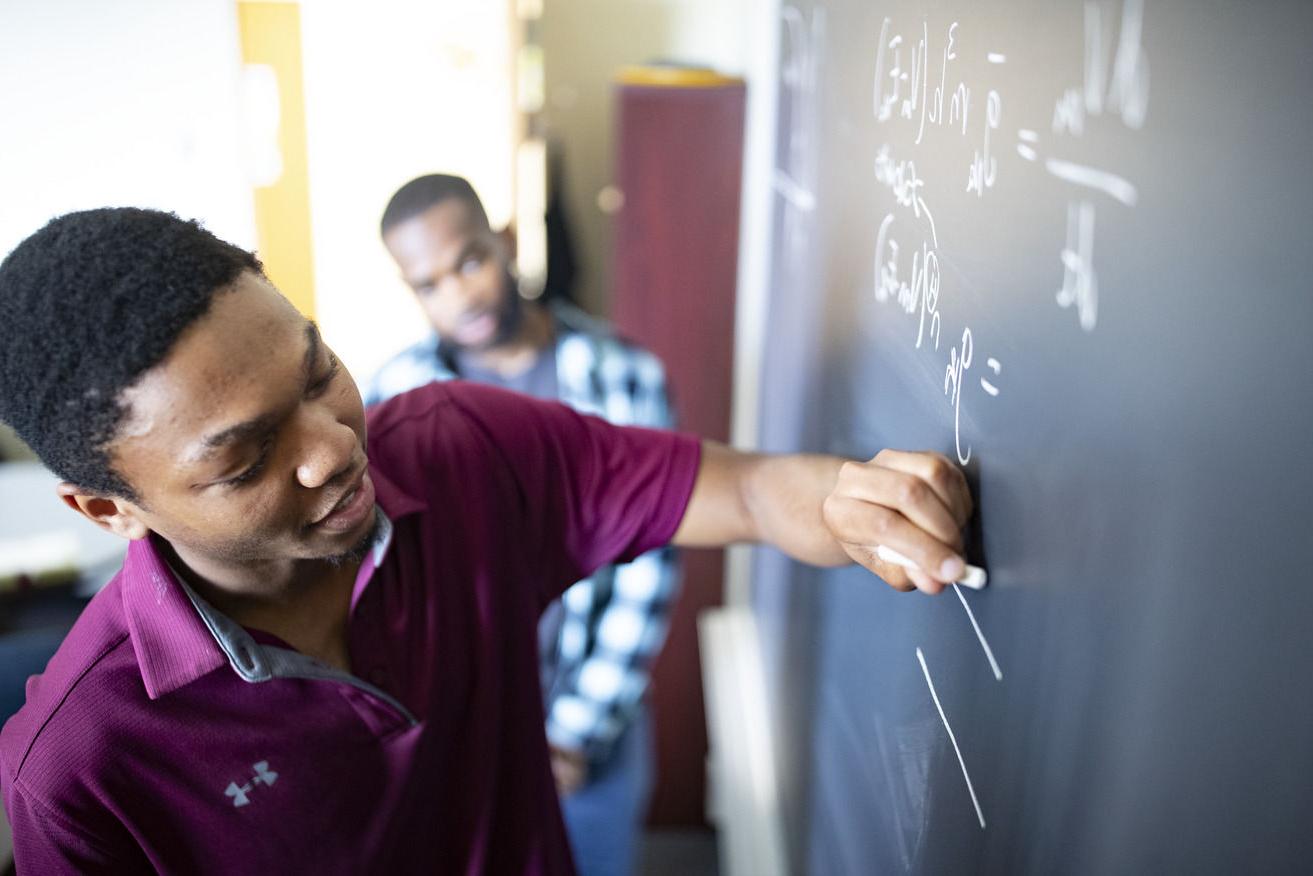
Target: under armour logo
263, 776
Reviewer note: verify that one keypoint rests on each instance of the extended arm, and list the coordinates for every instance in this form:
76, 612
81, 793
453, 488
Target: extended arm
828, 511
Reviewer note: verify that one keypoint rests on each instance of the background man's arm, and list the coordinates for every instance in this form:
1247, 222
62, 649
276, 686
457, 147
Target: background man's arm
828, 511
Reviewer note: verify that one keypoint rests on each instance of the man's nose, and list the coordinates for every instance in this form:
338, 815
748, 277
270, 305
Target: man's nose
456, 290
328, 448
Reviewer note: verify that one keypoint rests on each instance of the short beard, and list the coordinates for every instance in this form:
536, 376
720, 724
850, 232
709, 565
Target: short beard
511, 316
360, 549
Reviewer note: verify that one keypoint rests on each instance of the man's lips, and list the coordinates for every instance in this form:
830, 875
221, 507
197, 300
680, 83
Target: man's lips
475, 326
350, 508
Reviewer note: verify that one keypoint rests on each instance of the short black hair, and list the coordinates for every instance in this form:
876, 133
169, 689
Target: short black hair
425, 192
87, 305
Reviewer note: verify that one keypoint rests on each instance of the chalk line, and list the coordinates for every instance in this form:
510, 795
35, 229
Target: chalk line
989, 652
1109, 183
951, 738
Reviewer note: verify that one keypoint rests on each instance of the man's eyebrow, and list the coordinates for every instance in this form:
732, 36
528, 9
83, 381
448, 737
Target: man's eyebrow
313, 342
471, 246
265, 422
236, 434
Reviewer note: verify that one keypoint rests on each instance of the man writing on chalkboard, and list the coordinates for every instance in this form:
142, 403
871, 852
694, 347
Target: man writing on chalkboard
320, 654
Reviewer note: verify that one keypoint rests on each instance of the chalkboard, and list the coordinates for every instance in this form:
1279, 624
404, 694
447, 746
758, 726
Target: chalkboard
1071, 246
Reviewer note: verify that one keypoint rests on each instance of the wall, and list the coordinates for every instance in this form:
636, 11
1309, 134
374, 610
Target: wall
274, 97
130, 103
584, 43
403, 89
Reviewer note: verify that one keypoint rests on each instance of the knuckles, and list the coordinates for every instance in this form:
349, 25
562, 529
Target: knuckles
850, 471
879, 520
837, 512
941, 473
830, 510
911, 491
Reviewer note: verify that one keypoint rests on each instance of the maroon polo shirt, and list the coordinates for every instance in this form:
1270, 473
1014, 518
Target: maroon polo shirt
163, 736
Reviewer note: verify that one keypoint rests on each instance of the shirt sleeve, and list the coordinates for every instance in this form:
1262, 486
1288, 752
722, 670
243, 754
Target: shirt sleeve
592, 493
45, 842
621, 617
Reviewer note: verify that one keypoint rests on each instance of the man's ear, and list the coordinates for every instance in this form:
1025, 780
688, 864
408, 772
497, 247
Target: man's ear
113, 515
507, 238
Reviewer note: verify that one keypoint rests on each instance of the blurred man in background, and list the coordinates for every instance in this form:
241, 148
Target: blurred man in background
599, 641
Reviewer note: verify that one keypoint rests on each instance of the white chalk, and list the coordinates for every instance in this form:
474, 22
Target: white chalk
974, 577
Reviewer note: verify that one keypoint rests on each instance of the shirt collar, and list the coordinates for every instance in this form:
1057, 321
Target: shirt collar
172, 644
395, 501
568, 323
177, 637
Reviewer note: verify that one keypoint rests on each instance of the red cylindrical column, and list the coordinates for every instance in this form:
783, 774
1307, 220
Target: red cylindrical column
679, 164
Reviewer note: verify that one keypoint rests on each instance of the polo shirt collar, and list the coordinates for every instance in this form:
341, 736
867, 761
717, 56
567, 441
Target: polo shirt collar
177, 638
172, 644
395, 501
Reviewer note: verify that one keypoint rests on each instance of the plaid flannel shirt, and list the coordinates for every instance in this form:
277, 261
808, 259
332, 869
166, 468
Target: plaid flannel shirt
598, 642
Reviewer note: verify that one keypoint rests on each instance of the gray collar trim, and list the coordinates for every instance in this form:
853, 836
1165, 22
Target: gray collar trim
255, 663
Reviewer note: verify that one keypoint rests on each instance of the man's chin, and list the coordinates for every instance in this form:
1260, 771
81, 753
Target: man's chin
475, 346
357, 552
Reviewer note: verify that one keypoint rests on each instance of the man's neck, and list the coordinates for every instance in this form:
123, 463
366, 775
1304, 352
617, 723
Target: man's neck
303, 602
515, 356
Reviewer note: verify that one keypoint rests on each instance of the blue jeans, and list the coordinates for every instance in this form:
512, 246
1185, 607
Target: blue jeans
605, 817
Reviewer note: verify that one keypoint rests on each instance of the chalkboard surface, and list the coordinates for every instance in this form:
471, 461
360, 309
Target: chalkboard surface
1070, 245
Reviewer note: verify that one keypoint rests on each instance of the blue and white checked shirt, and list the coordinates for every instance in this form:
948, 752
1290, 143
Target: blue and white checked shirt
599, 641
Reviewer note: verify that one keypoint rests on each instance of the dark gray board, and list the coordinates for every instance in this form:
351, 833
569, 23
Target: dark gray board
1143, 483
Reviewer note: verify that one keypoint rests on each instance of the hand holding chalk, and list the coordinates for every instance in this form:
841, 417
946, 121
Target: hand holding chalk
974, 577
918, 501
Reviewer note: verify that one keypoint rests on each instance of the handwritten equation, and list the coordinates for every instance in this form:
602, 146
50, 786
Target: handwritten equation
923, 86
920, 80
942, 89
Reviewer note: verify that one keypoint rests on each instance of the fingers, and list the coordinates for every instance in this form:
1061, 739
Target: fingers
924, 582
895, 576
913, 503
911, 496
570, 770
944, 478
861, 525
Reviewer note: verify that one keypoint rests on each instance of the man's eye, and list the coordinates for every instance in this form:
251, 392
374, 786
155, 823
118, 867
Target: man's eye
247, 475
319, 386
251, 473
471, 264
